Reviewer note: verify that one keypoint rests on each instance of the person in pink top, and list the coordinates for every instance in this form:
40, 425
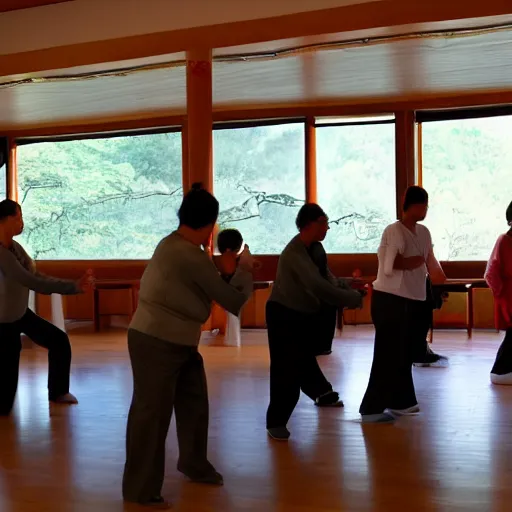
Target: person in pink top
499, 278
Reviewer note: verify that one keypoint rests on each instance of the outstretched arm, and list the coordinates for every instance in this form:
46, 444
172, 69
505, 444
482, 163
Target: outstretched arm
324, 289
13, 269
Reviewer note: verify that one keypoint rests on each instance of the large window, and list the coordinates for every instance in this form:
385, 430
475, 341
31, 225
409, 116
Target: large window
259, 182
111, 198
467, 172
356, 184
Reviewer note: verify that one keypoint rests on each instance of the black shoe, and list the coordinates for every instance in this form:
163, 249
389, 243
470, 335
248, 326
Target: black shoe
156, 503
279, 433
210, 477
324, 353
432, 361
331, 399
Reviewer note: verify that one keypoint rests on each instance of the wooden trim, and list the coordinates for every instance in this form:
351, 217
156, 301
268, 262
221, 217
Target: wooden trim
419, 152
341, 264
358, 123
98, 127
12, 171
374, 14
185, 173
98, 135
310, 157
17, 5
405, 144
366, 106
429, 116
353, 107
254, 123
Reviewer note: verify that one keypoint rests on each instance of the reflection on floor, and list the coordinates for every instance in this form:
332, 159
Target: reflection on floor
455, 456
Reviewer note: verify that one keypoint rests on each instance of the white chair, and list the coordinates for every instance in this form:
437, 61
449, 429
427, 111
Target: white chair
57, 309
233, 336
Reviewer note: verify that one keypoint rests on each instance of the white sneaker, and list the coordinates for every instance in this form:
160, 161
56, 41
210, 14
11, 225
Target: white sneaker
503, 380
68, 398
410, 411
384, 417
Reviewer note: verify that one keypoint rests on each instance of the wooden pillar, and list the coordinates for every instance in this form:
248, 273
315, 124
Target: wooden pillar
405, 144
12, 171
198, 139
310, 155
199, 117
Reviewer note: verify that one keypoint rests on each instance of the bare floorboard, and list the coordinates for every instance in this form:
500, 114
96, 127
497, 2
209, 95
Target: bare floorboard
455, 456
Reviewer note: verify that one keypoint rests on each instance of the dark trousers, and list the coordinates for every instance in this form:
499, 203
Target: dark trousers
293, 364
325, 329
398, 330
503, 363
44, 334
425, 321
166, 377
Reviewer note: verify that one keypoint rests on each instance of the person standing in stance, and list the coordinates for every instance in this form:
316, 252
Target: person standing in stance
176, 294
18, 275
398, 308
499, 278
303, 284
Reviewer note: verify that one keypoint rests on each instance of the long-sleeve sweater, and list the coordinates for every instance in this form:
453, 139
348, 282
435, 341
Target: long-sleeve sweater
177, 290
300, 286
18, 276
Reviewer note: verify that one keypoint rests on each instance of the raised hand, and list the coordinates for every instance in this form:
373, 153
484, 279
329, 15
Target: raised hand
246, 260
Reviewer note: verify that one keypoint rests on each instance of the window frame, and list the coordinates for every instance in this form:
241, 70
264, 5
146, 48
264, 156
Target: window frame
363, 120
234, 125
13, 181
458, 267
419, 116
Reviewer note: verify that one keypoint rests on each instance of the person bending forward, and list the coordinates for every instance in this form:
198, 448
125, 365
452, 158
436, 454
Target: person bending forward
300, 289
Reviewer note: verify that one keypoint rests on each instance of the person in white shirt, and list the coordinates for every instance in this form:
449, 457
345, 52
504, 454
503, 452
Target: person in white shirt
406, 256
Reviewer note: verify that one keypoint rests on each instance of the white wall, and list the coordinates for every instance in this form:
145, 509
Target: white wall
83, 21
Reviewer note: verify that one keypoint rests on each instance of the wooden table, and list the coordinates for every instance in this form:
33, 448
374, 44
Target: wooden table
113, 284
463, 286
451, 285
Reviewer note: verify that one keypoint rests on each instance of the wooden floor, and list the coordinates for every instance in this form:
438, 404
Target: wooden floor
455, 456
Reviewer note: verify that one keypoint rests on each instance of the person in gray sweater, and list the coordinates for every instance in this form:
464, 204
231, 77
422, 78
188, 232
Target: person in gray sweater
300, 288
18, 276
176, 294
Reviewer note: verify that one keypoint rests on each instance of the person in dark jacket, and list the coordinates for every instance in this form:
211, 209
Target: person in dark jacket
300, 288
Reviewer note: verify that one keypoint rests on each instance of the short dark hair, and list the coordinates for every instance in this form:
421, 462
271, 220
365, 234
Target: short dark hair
509, 213
229, 239
415, 195
8, 208
199, 208
309, 213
